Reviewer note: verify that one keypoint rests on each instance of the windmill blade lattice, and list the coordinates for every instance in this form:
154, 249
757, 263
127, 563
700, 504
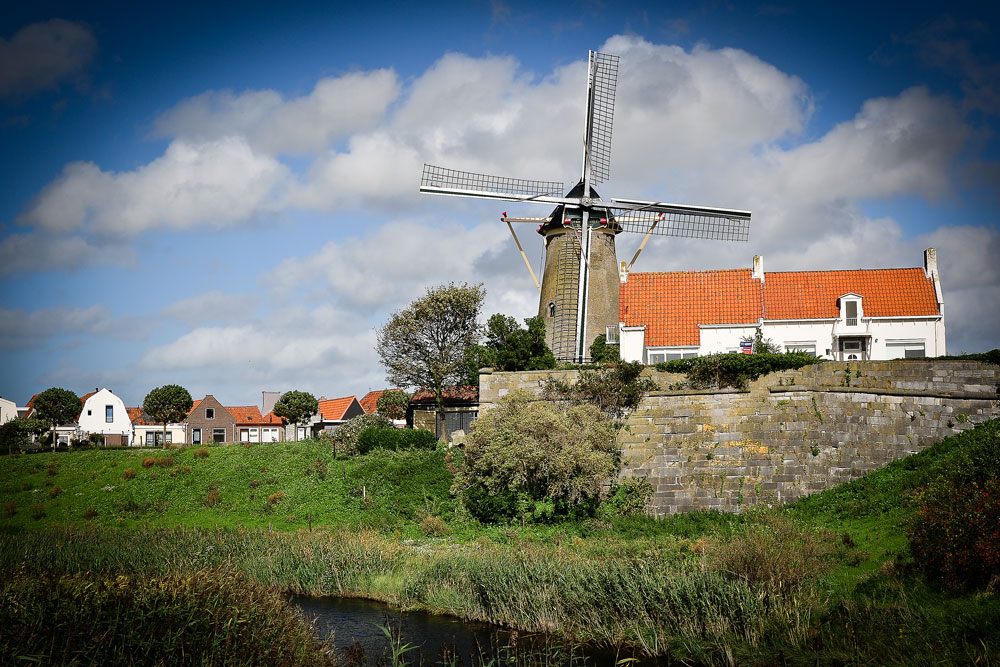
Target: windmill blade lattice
468, 182
601, 114
684, 225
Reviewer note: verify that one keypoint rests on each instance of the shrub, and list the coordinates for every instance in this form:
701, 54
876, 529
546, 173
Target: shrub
148, 462
254, 483
734, 370
55, 491
345, 438
394, 439
38, 511
10, 508
955, 537
434, 526
603, 352
275, 498
540, 454
165, 461
212, 499
615, 389
628, 497
128, 473
200, 453
89, 513
774, 552
52, 472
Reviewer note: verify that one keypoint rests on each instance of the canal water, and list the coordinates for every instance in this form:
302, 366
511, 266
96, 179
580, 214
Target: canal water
356, 626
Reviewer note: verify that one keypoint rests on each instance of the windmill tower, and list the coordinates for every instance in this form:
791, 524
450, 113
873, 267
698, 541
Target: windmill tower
579, 289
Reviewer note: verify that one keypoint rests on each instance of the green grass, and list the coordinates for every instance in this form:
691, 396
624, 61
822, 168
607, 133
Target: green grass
385, 490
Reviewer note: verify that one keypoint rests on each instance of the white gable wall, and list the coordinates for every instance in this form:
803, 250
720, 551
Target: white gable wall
93, 417
8, 410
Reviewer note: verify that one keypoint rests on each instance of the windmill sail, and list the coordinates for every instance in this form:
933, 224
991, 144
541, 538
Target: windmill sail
443, 181
600, 115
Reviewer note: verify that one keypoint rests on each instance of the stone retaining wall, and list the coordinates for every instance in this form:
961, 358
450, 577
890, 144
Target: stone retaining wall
792, 432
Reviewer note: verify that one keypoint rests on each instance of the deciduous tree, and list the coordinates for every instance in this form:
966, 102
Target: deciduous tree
168, 404
393, 404
296, 407
57, 406
424, 345
509, 347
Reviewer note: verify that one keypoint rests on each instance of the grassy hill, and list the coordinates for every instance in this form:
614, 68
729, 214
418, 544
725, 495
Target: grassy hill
284, 486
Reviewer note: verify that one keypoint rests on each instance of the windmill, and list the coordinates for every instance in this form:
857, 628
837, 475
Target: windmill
580, 280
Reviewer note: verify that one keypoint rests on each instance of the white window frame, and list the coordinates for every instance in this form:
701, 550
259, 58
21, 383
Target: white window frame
655, 355
807, 346
269, 434
611, 334
216, 432
907, 345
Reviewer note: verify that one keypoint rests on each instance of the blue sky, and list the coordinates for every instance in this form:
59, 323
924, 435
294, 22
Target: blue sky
226, 197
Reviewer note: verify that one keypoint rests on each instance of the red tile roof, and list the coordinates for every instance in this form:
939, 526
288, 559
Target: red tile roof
814, 294
672, 305
250, 415
370, 400
333, 409
139, 418
194, 405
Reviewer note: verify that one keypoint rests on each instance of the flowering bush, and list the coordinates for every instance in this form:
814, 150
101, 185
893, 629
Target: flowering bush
956, 536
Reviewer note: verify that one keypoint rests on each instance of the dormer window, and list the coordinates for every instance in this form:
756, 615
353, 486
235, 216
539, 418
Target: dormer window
851, 310
851, 313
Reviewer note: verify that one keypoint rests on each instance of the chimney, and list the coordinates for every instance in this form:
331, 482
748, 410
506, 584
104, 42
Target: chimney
930, 262
758, 267
270, 398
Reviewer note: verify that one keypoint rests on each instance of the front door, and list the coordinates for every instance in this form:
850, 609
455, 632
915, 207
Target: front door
852, 349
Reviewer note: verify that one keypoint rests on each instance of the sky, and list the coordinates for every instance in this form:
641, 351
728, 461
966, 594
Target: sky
225, 196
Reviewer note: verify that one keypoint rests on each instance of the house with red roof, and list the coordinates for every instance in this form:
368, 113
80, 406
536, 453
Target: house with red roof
149, 433
252, 426
333, 412
842, 315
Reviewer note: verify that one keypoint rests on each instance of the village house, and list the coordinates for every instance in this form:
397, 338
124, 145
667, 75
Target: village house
332, 413
148, 433
251, 426
209, 421
842, 315
105, 413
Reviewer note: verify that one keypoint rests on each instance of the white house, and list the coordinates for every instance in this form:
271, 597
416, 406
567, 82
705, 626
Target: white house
148, 433
8, 410
843, 315
105, 413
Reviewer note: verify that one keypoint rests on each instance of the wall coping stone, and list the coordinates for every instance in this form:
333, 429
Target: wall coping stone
786, 389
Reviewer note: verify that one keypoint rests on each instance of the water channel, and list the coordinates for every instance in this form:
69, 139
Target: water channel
357, 625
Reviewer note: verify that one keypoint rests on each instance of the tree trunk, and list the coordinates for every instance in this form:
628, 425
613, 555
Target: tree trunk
53, 437
164, 435
439, 415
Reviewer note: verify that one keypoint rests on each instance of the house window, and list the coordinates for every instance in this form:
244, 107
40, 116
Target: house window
209, 413
109, 413
905, 349
170, 437
851, 313
611, 335
219, 434
196, 436
270, 435
801, 347
90, 412
656, 356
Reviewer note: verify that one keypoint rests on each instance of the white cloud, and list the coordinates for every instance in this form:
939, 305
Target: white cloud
336, 107
41, 56
216, 183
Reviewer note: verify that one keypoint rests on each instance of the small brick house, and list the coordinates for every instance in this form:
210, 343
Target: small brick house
210, 421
